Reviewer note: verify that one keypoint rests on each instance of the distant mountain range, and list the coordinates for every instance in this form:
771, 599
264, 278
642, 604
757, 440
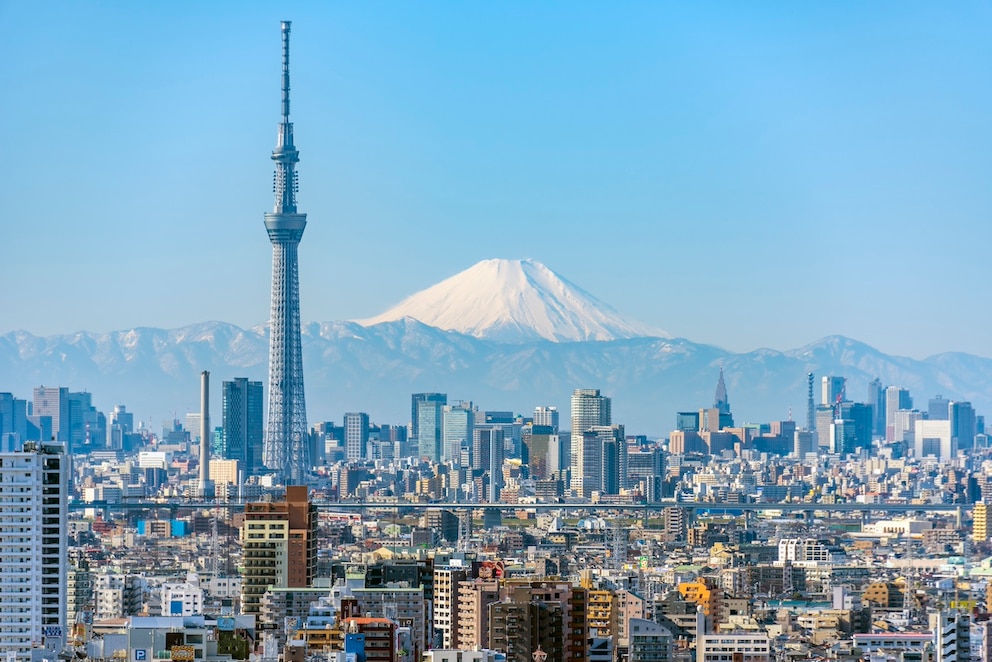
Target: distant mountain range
539, 339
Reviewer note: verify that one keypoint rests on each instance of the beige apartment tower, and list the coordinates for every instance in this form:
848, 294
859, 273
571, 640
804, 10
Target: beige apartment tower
279, 542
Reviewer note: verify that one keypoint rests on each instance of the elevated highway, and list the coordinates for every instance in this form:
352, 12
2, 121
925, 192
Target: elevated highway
634, 509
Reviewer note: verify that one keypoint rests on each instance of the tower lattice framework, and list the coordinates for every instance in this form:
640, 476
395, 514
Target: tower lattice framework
286, 447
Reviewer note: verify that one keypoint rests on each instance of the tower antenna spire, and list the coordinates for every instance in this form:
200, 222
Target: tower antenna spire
285, 70
286, 446
285, 154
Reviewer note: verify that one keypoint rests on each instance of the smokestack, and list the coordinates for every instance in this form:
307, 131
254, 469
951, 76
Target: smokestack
205, 486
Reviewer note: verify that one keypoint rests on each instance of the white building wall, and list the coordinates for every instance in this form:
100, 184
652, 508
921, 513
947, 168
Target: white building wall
33, 555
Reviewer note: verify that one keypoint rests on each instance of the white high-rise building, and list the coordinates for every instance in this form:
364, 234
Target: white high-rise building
589, 410
832, 390
896, 398
933, 439
547, 416
33, 552
458, 422
119, 425
951, 633
904, 423
182, 598
356, 436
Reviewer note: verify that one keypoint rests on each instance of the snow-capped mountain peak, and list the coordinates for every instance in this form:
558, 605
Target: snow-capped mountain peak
515, 300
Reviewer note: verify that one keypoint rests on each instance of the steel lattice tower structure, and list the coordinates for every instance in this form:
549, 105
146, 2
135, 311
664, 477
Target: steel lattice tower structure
286, 448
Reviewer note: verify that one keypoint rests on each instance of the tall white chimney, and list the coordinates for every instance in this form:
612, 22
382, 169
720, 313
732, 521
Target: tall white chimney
206, 486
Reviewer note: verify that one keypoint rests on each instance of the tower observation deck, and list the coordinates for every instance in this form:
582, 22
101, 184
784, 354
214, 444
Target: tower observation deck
286, 449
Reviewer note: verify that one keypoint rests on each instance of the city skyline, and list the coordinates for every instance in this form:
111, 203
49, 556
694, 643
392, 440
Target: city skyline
806, 161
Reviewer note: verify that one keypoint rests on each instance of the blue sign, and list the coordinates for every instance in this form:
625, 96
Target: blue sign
140, 655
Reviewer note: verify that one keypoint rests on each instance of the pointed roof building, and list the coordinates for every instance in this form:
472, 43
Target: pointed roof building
720, 401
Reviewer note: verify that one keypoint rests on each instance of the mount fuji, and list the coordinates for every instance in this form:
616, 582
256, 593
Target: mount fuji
506, 334
513, 301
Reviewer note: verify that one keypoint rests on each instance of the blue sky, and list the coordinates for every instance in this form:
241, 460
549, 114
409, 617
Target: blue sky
744, 174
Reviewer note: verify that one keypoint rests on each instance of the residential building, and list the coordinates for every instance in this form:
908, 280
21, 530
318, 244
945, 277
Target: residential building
474, 598
649, 641
279, 541
446, 584
117, 595
737, 646
33, 553
517, 629
408, 607
982, 522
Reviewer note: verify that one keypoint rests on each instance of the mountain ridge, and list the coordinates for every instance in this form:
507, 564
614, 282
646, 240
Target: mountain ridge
351, 367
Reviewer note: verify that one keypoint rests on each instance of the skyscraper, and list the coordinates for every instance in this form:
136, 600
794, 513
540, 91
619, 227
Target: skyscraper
13, 422
456, 433
719, 416
54, 402
589, 410
832, 390
356, 436
603, 461
120, 425
286, 449
896, 398
488, 453
537, 448
963, 424
938, 409
876, 399
720, 400
33, 554
857, 420
425, 426
547, 416
243, 423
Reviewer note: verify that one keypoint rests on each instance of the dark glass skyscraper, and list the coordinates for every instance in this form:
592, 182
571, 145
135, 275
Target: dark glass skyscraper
287, 448
426, 423
243, 423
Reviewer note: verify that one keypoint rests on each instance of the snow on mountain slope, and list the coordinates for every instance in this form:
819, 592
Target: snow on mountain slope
513, 301
155, 372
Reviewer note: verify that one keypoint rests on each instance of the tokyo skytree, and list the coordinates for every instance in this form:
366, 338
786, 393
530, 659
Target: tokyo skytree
286, 449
